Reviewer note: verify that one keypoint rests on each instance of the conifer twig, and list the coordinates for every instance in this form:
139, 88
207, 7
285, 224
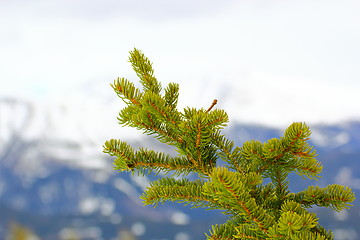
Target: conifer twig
212, 105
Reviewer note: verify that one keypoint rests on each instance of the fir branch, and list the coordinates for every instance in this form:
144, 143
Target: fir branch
296, 136
126, 116
177, 190
142, 119
249, 231
252, 156
126, 91
123, 151
281, 183
233, 189
197, 142
144, 161
217, 119
226, 150
171, 95
225, 231
289, 153
144, 70
161, 162
310, 168
259, 211
335, 196
294, 219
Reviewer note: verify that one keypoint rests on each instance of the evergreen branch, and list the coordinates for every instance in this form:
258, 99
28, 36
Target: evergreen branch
143, 68
171, 95
135, 116
295, 226
153, 126
296, 222
294, 219
126, 91
308, 167
249, 231
176, 190
310, 236
199, 153
151, 116
234, 189
144, 161
296, 136
253, 157
320, 230
289, 153
335, 196
126, 116
265, 196
141, 119
226, 151
259, 211
216, 119
162, 162
281, 187
225, 231
273, 151
118, 148
156, 105
123, 151
196, 138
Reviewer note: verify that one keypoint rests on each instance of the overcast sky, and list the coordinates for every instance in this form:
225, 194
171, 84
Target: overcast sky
265, 61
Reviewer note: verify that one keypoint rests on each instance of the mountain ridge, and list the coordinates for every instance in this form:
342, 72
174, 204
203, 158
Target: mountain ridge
51, 172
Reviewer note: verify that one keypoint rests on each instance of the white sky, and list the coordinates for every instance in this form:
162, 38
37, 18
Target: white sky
266, 61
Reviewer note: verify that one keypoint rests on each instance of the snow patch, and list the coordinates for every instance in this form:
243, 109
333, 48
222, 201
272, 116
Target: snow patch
345, 177
91, 232
341, 216
49, 192
116, 218
89, 205
182, 236
128, 189
324, 139
138, 229
345, 234
142, 181
342, 138
107, 207
180, 218
100, 176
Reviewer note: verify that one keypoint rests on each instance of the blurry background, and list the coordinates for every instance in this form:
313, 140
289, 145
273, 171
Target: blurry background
269, 63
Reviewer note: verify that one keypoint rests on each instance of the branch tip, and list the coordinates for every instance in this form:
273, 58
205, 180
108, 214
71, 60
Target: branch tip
212, 105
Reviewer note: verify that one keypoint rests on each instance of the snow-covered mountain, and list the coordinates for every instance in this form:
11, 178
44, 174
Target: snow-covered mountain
52, 169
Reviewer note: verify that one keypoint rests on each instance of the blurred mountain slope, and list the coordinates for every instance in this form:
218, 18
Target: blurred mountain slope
52, 170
